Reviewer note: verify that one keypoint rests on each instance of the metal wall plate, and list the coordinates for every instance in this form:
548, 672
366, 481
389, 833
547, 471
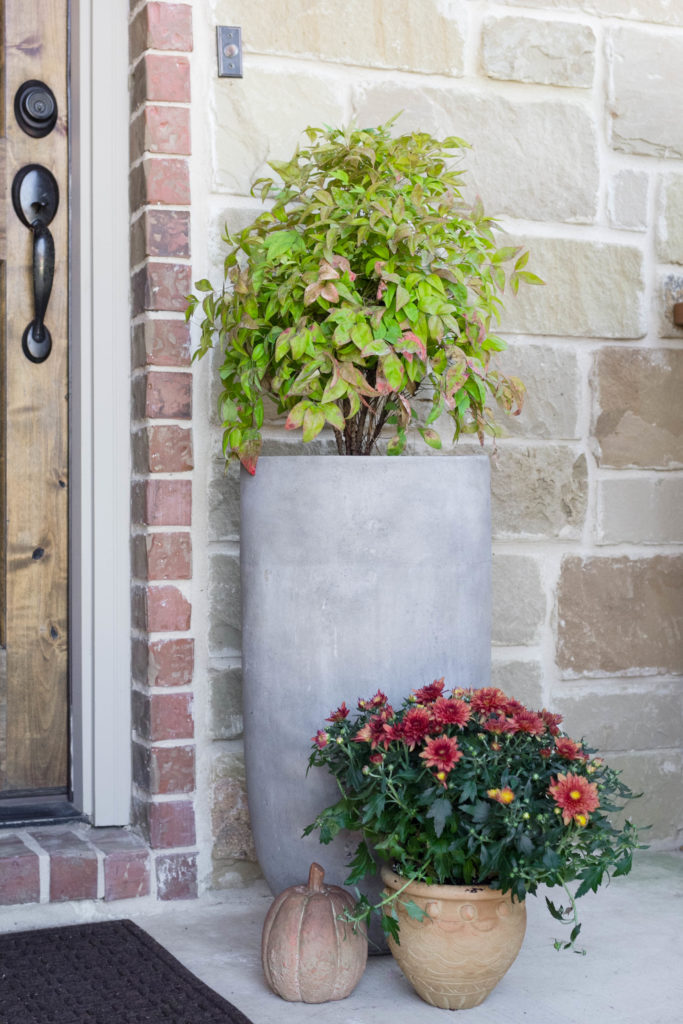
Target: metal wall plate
229, 39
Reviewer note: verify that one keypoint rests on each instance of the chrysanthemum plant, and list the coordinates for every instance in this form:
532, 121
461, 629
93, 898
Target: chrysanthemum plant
471, 788
366, 286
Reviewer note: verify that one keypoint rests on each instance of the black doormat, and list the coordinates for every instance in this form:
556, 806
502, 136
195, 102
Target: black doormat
111, 972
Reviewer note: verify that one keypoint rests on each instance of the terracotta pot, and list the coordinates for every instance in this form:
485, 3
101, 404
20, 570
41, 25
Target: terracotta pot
309, 955
458, 955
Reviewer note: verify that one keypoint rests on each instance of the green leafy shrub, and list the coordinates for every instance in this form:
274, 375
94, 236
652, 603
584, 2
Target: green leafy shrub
471, 788
366, 285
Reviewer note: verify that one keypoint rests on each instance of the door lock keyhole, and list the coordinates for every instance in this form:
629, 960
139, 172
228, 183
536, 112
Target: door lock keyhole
35, 108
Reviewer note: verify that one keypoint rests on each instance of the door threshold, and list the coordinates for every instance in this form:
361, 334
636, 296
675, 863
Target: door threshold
25, 812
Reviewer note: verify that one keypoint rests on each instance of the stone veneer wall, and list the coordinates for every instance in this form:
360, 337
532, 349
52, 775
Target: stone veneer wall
164, 761
572, 108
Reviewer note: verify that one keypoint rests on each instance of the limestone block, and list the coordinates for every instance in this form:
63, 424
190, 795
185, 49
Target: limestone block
538, 491
638, 417
592, 289
657, 775
262, 117
530, 159
235, 219
531, 50
224, 501
670, 293
627, 200
552, 381
670, 219
646, 78
229, 811
665, 12
645, 510
630, 716
425, 37
225, 613
522, 680
225, 696
620, 616
518, 600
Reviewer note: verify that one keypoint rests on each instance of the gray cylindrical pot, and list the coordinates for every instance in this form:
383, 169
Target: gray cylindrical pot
358, 573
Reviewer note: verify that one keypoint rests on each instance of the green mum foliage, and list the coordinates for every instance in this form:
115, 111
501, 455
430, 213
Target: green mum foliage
366, 285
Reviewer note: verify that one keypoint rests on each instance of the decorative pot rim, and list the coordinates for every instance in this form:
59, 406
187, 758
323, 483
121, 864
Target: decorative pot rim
462, 453
444, 892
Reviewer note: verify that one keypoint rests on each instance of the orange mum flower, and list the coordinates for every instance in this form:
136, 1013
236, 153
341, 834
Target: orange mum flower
488, 700
575, 796
570, 750
441, 753
502, 796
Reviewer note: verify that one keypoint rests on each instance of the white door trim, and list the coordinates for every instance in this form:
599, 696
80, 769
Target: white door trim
100, 417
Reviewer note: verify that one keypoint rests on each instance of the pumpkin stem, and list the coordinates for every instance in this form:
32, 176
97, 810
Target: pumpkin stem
315, 878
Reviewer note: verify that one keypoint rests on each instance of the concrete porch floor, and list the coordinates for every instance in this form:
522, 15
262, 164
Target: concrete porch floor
632, 974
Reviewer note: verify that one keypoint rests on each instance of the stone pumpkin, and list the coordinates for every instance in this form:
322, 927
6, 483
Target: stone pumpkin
308, 954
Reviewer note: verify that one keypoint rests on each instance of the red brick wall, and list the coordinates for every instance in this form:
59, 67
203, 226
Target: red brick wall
161, 275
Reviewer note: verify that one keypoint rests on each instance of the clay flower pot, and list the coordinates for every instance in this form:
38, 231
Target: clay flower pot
308, 954
458, 954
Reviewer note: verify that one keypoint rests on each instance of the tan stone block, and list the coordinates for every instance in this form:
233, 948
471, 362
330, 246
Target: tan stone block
670, 294
620, 616
230, 822
646, 76
552, 380
629, 717
531, 50
665, 12
262, 117
224, 502
235, 219
517, 599
638, 417
627, 194
425, 37
643, 510
592, 290
657, 775
225, 697
506, 166
225, 606
522, 680
670, 219
538, 491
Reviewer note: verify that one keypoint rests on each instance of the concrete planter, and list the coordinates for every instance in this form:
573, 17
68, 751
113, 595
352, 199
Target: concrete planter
357, 574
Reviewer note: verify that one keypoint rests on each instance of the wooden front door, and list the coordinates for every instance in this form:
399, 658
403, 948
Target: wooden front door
34, 493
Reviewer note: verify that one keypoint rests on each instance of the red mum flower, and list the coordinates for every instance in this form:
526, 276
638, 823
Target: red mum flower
526, 721
497, 725
570, 750
428, 694
552, 721
377, 730
379, 700
489, 699
575, 795
321, 739
513, 706
441, 753
340, 714
415, 726
451, 711
377, 758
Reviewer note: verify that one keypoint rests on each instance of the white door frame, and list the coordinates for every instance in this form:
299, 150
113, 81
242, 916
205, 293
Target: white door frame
100, 412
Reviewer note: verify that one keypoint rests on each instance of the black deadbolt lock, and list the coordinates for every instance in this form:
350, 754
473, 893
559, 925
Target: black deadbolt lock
35, 108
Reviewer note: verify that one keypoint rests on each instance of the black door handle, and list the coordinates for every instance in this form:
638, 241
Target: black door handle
35, 197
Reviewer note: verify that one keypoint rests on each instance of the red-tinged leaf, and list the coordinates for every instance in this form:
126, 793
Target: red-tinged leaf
392, 369
312, 292
382, 385
282, 346
407, 414
330, 293
333, 415
327, 272
430, 437
249, 454
314, 421
402, 297
376, 347
334, 389
296, 416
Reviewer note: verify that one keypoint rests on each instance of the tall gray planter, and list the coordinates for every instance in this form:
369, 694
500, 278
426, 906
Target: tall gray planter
357, 574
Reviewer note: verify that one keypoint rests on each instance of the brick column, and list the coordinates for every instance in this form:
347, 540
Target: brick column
163, 652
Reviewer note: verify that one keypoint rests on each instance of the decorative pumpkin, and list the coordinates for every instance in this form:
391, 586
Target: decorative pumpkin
308, 954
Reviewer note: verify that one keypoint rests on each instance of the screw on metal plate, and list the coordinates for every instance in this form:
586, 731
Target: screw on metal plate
229, 39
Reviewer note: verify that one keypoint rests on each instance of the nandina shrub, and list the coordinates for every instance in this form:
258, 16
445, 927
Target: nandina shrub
471, 787
366, 286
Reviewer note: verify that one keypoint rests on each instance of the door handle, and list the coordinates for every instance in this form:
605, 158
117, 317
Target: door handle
35, 197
